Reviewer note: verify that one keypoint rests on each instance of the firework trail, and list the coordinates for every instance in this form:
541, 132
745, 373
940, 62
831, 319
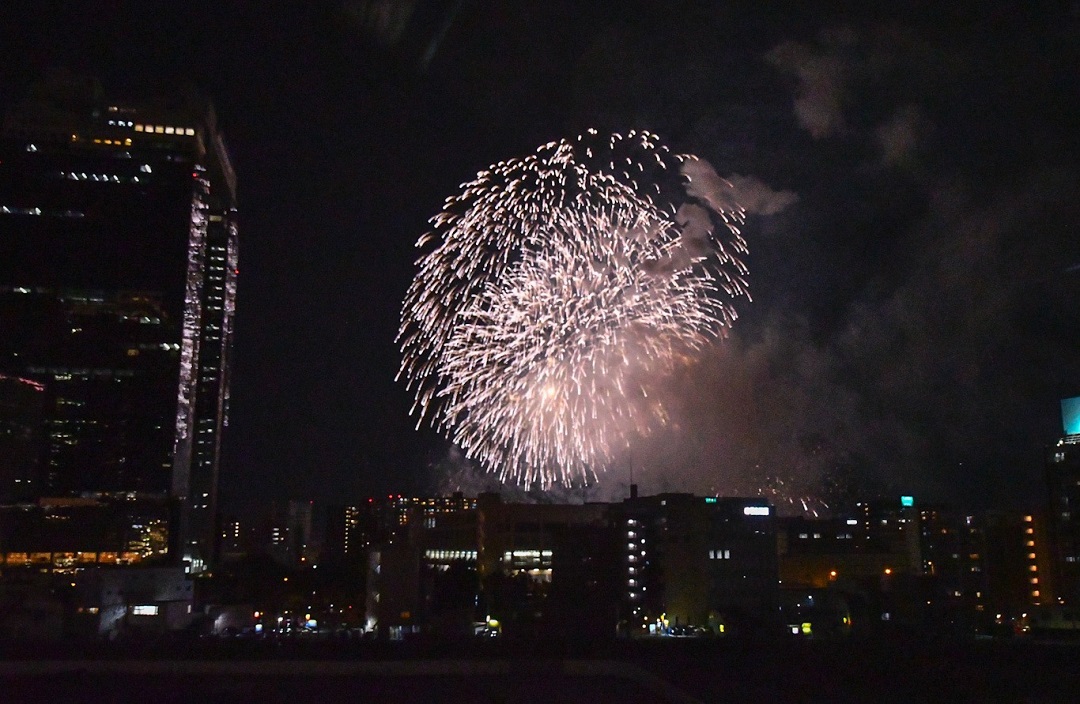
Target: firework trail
556, 294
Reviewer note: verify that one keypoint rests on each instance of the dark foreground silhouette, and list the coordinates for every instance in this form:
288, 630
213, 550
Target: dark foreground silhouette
676, 670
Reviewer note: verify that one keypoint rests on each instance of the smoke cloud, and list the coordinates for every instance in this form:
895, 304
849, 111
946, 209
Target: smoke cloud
914, 318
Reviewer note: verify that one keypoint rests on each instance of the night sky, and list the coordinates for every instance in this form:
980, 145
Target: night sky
913, 179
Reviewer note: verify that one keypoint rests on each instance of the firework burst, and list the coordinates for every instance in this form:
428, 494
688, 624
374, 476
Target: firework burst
558, 292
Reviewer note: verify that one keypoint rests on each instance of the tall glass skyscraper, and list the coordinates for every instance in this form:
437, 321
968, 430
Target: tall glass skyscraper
118, 269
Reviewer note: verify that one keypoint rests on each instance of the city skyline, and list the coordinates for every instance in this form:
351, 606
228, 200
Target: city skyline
913, 323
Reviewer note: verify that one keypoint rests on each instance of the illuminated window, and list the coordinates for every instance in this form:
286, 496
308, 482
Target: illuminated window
189, 131
170, 130
144, 610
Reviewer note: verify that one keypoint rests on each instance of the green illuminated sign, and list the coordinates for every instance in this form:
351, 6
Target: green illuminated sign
907, 501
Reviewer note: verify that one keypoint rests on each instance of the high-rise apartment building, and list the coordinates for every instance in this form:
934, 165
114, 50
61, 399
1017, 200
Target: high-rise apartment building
698, 561
1063, 522
118, 269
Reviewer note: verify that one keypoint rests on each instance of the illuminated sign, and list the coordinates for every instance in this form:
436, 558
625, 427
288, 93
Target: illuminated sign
1070, 415
755, 510
710, 499
907, 501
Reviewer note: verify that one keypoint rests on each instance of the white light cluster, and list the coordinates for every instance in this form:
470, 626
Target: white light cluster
442, 555
15, 210
101, 178
232, 271
189, 351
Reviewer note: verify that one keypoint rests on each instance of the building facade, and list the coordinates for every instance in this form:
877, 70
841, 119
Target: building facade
118, 269
1062, 521
696, 562
21, 402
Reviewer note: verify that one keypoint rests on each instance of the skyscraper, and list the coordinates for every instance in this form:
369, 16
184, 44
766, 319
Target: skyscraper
1063, 482
118, 267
